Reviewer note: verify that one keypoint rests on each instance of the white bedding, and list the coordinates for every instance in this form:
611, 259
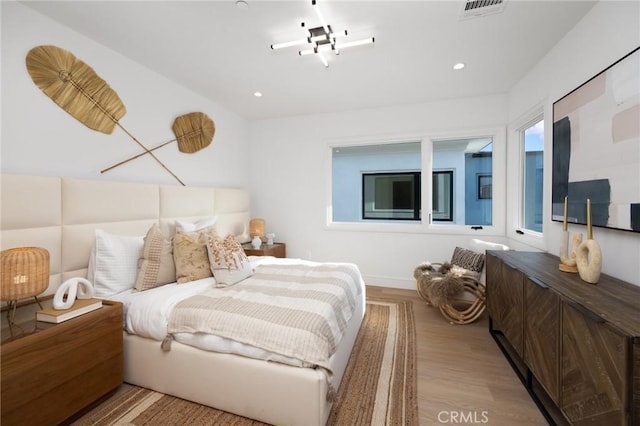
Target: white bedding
147, 313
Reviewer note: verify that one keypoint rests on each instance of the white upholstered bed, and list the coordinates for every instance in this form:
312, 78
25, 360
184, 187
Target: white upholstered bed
62, 214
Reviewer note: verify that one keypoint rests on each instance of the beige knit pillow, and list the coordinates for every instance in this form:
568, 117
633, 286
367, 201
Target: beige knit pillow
190, 255
155, 266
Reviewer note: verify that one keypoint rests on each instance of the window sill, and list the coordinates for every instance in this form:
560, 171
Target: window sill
411, 227
528, 237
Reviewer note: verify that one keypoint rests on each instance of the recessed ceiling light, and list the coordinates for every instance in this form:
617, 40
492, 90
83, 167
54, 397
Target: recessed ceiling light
242, 5
257, 94
458, 66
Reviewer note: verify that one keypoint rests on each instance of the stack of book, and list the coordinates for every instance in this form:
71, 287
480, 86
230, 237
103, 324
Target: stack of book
80, 307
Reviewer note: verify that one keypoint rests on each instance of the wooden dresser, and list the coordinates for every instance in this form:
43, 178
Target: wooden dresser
56, 371
576, 346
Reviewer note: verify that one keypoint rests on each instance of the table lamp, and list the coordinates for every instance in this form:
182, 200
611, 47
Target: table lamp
256, 232
25, 273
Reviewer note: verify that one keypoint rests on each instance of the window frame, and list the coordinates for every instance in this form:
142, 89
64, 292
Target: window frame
498, 137
416, 194
451, 194
516, 160
426, 225
482, 184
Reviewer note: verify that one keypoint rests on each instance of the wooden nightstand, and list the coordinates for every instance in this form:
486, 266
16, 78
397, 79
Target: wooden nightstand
59, 369
275, 250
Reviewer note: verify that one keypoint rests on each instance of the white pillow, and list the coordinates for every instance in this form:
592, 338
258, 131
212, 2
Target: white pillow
116, 263
480, 246
184, 226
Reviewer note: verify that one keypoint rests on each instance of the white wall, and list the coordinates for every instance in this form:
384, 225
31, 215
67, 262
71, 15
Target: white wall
39, 138
285, 162
607, 33
289, 175
289, 170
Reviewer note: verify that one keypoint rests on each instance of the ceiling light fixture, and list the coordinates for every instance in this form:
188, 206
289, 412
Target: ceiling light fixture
458, 66
322, 39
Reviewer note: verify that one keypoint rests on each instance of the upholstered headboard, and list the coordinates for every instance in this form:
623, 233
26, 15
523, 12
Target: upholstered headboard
62, 214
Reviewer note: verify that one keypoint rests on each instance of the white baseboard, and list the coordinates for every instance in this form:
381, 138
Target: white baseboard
392, 282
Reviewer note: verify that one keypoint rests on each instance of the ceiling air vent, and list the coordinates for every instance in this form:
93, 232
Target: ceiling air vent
475, 8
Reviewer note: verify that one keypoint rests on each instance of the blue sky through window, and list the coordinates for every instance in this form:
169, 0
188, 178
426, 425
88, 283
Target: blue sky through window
534, 137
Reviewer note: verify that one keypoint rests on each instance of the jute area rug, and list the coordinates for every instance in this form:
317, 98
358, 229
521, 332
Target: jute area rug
378, 388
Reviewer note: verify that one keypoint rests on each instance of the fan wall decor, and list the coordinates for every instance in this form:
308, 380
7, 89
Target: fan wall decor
77, 89
194, 131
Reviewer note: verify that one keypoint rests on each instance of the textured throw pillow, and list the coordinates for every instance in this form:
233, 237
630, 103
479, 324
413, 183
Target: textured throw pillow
229, 263
468, 259
190, 255
116, 263
156, 266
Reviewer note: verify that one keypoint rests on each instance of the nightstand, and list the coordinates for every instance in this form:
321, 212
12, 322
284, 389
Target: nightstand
275, 250
57, 370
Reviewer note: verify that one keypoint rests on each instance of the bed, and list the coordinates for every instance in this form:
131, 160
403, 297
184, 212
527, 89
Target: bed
63, 214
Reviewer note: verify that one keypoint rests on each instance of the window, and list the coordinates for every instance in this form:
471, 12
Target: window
484, 187
391, 169
471, 194
391, 196
532, 143
443, 185
442, 203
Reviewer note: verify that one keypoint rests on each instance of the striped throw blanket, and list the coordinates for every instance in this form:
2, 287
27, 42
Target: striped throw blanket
299, 311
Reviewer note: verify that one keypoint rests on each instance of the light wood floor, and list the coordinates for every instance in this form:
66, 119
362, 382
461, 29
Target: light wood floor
463, 378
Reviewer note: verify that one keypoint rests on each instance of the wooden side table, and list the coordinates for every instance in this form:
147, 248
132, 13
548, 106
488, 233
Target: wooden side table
275, 250
59, 369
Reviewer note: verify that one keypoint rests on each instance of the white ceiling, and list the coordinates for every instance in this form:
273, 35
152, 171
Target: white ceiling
223, 52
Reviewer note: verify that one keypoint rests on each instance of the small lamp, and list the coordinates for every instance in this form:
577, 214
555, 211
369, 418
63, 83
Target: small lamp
256, 228
25, 273
256, 232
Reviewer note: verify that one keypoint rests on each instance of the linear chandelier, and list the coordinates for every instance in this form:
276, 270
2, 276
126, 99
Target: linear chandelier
322, 39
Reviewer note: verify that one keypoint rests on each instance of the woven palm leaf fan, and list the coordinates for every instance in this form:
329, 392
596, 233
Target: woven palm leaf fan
194, 131
77, 89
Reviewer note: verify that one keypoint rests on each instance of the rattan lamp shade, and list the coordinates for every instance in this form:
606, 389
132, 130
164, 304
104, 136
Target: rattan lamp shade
256, 227
25, 272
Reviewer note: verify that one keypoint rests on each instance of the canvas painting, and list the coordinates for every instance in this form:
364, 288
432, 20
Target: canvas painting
596, 148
